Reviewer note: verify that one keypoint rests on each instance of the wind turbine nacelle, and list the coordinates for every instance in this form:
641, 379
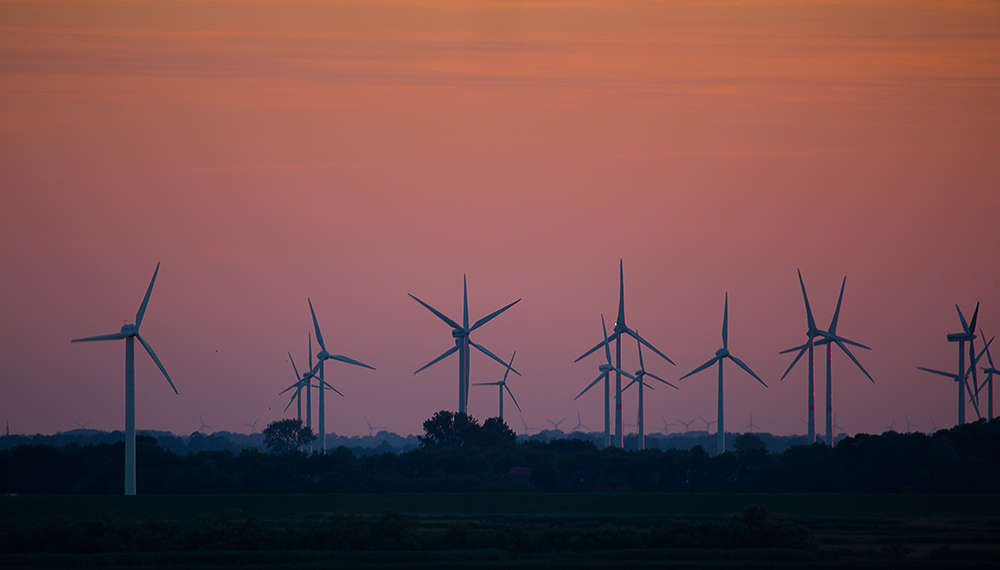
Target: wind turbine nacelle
954, 337
457, 333
722, 352
130, 329
323, 355
605, 368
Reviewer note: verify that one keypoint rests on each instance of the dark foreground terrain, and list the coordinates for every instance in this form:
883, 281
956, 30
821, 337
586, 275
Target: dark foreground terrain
484, 530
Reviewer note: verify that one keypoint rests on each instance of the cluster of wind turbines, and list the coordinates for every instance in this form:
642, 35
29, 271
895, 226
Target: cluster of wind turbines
314, 377
828, 337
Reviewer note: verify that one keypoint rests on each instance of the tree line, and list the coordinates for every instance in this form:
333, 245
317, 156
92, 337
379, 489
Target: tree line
457, 453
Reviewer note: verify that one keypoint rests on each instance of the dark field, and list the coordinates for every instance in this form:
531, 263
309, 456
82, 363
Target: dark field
502, 530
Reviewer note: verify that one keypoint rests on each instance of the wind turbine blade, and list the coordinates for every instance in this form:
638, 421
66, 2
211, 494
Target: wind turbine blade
621, 295
296, 385
972, 323
491, 316
319, 335
794, 348
591, 385
513, 399
350, 361
159, 365
624, 373
792, 365
465, 303
989, 357
629, 385
931, 370
855, 360
700, 368
297, 376
725, 324
289, 404
636, 336
641, 365
965, 325
607, 346
112, 336
836, 314
145, 300
509, 364
493, 356
446, 354
747, 368
439, 314
809, 313
487, 384
834, 338
329, 387
661, 380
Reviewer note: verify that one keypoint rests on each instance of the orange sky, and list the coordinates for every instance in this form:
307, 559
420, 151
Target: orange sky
266, 152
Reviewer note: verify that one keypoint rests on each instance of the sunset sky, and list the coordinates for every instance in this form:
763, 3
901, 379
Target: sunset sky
355, 152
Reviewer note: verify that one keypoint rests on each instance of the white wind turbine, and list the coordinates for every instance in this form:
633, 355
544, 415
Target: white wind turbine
687, 425
555, 425
620, 329
720, 355
461, 332
302, 381
322, 357
371, 428
253, 426
502, 384
130, 333
606, 375
829, 339
579, 423
640, 375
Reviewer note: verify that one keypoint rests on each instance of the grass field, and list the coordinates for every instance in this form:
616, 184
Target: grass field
875, 531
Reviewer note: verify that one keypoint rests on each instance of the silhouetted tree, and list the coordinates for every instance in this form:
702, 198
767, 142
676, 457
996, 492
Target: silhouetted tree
445, 429
285, 435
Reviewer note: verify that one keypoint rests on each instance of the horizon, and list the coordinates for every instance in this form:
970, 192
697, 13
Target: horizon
267, 153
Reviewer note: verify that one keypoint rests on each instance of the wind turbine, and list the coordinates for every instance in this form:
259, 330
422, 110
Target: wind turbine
989, 380
708, 424
526, 428
908, 424
751, 425
620, 329
606, 374
203, 426
302, 381
811, 332
461, 332
720, 355
687, 425
666, 425
322, 357
968, 334
640, 374
829, 339
83, 426
503, 385
963, 373
130, 333
253, 426
371, 428
555, 425
579, 422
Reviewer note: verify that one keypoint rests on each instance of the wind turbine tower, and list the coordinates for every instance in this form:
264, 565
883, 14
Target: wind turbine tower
829, 339
321, 358
620, 329
640, 375
461, 332
605, 375
720, 355
811, 333
130, 333
989, 380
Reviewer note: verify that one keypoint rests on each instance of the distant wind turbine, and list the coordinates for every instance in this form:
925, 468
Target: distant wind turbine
371, 428
708, 424
620, 329
720, 355
302, 381
961, 377
605, 375
83, 426
502, 384
889, 427
639, 379
555, 425
831, 338
130, 333
908, 424
666, 425
461, 332
687, 425
253, 426
750, 427
526, 428
579, 422
322, 357
203, 426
